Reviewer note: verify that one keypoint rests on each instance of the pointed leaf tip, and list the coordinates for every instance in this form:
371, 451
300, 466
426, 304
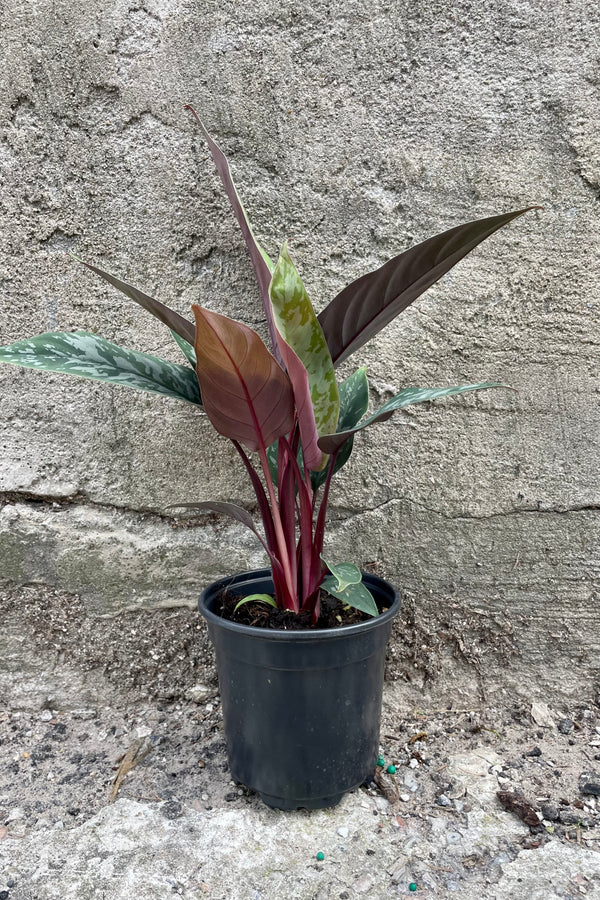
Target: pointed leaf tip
356, 595
407, 397
261, 262
90, 356
169, 317
371, 302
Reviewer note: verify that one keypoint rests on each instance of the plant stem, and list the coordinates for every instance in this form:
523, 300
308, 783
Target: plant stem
279, 534
304, 513
263, 503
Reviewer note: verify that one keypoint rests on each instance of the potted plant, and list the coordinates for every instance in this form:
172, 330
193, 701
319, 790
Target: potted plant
301, 645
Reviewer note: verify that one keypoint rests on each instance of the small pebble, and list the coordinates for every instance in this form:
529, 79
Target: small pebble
172, 810
412, 886
391, 769
380, 761
343, 831
550, 811
364, 884
320, 856
589, 783
570, 818
15, 814
565, 726
85, 714
199, 693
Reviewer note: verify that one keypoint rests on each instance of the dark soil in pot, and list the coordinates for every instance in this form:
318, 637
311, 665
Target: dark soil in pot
301, 708
333, 613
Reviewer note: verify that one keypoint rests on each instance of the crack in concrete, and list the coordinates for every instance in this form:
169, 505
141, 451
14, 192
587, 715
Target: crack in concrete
80, 499
527, 510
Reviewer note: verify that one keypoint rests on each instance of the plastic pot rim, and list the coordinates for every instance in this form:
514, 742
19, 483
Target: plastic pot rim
277, 634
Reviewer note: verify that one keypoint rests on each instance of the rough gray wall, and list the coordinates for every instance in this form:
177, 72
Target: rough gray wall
354, 130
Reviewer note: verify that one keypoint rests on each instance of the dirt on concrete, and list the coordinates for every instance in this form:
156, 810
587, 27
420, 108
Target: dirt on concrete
127, 709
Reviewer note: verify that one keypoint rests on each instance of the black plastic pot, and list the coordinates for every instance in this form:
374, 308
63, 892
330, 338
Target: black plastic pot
301, 708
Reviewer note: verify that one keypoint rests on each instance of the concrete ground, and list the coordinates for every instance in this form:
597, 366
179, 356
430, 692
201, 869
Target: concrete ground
84, 722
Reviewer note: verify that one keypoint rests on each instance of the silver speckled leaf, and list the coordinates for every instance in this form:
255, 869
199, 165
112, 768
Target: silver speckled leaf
89, 356
407, 397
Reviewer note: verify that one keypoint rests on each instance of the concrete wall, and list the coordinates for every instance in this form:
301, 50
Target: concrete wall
354, 130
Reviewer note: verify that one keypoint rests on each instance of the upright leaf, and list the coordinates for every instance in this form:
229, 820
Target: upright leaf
298, 375
298, 325
354, 402
370, 303
187, 349
246, 394
354, 399
171, 318
89, 356
261, 262
406, 397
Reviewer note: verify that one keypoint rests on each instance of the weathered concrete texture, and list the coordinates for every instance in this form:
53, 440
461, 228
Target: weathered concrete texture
354, 130
79, 692
118, 560
137, 849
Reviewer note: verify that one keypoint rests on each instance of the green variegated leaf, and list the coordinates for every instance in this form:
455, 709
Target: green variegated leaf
355, 595
354, 402
407, 397
272, 459
345, 573
89, 356
261, 598
354, 399
299, 327
187, 349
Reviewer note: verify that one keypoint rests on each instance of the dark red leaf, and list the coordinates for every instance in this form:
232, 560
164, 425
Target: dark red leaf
177, 323
246, 394
370, 303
